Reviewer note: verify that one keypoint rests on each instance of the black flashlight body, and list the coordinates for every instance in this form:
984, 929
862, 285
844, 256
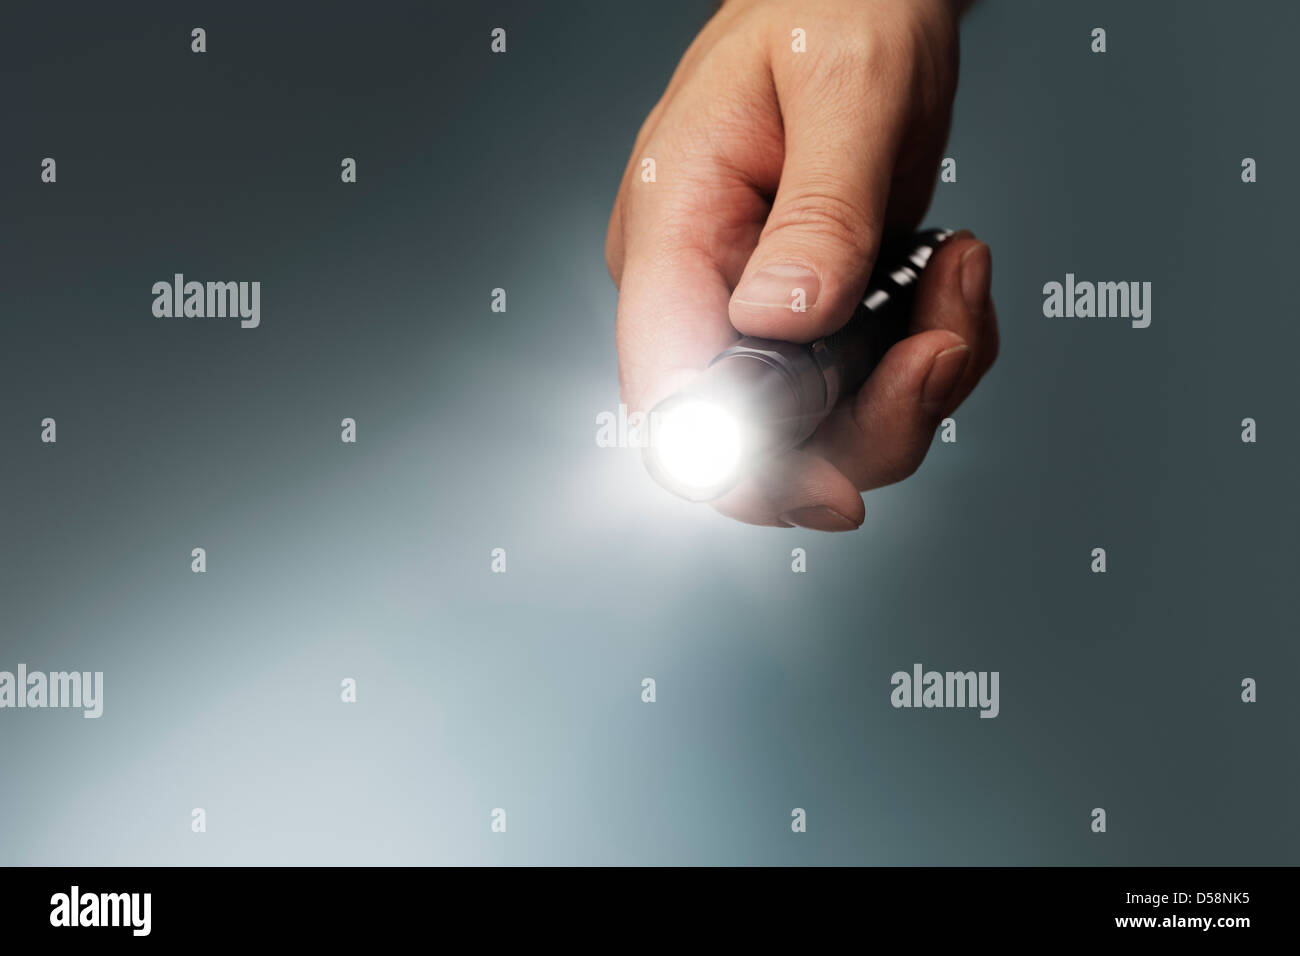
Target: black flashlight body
837, 365
781, 391
883, 316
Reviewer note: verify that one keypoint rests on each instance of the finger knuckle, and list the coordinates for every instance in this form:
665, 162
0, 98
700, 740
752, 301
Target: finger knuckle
829, 210
902, 466
899, 462
874, 50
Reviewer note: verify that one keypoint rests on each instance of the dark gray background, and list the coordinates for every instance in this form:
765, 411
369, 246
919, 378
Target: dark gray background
476, 430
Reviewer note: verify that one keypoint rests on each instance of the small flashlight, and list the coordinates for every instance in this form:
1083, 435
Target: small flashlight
761, 397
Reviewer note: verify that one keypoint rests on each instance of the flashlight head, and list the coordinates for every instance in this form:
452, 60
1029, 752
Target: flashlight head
756, 399
696, 446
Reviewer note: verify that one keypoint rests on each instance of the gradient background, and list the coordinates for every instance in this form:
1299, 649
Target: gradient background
476, 430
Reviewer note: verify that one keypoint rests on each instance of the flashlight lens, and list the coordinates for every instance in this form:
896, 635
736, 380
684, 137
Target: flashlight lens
697, 443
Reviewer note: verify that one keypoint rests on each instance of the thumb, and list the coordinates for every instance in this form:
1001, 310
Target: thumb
816, 251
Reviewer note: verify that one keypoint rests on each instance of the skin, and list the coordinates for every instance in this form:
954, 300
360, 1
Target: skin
802, 163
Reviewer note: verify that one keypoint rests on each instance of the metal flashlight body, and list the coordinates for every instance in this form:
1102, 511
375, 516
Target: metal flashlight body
762, 397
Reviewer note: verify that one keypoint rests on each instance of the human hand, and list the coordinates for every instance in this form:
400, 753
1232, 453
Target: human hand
777, 170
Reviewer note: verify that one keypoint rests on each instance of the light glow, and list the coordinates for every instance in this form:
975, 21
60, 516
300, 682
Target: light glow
697, 443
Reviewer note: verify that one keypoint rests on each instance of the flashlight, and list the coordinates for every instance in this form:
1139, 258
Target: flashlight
761, 397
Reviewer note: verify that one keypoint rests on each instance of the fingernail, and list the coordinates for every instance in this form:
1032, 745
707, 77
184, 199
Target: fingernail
963, 234
780, 287
976, 273
945, 370
819, 518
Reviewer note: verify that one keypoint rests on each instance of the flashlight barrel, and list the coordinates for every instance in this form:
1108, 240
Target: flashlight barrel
881, 318
818, 374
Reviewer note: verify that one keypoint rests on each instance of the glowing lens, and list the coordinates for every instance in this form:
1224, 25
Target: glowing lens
697, 443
